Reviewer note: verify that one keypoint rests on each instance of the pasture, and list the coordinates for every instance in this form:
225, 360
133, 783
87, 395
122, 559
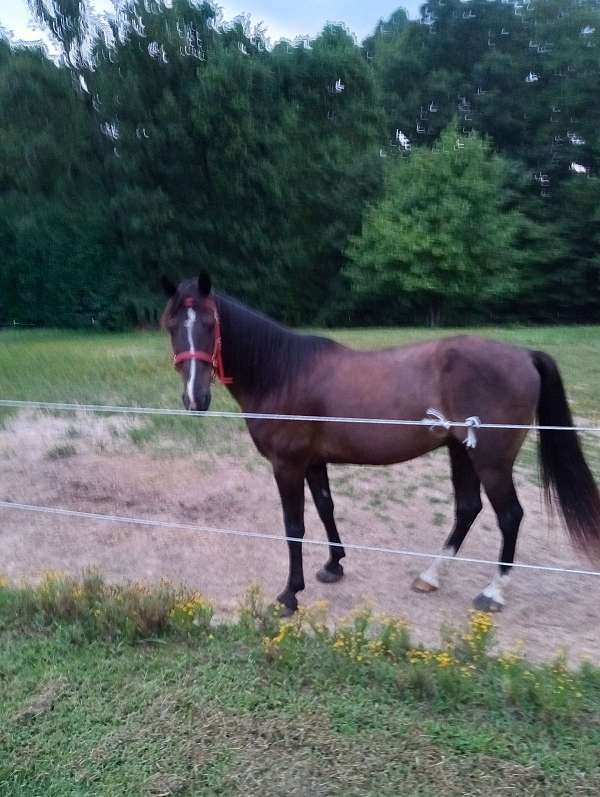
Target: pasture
207, 472
241, 708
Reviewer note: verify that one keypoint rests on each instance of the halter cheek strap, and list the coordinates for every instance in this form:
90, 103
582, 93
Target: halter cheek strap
216, 358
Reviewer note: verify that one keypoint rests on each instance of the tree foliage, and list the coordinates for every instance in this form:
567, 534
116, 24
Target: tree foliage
443, 230
168, 140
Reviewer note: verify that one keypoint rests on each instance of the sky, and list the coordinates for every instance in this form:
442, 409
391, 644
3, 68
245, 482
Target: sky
282, 19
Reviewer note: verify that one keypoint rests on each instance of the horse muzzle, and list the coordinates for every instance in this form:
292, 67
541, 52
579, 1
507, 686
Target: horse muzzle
199, 404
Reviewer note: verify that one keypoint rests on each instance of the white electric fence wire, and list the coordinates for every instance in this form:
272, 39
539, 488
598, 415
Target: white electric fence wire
437, 420
164, 524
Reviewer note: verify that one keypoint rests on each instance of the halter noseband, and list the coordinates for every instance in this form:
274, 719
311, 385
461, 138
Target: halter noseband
216, 358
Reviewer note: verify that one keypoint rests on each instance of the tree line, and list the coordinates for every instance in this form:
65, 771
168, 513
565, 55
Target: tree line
444, 170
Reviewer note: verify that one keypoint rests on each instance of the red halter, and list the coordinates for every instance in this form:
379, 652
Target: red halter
216, 358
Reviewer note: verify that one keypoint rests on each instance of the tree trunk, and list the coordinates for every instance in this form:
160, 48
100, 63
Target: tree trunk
434, 315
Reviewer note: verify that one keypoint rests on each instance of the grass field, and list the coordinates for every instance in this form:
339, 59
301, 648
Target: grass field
135, 368
250, 709
265, 708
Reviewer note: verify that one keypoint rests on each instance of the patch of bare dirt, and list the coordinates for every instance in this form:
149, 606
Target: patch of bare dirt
43, 701
407, 506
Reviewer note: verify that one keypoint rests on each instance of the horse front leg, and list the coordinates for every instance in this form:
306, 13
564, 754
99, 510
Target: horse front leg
290, 482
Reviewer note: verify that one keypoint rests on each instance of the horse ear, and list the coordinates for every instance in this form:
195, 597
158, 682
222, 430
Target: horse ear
168, 287
204, 284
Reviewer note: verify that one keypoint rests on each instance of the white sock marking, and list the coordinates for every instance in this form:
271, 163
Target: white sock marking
437, 567
494, 589
189, 325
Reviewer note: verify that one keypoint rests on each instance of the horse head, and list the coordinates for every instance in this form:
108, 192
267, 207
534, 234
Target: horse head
192, 321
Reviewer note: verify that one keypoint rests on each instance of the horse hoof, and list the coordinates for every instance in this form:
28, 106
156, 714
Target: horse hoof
419, 585
485, 604
326, 576
287, 604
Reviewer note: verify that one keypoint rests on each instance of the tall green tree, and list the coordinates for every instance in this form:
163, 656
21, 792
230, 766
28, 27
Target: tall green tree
169, 140
52, 268
331, 166
67, 22
565, 284
191, 117
443, 231
253, 164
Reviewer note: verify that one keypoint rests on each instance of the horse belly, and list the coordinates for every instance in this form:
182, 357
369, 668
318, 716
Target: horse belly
372, 444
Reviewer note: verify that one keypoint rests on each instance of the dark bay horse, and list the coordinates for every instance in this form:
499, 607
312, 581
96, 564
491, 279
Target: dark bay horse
271, 369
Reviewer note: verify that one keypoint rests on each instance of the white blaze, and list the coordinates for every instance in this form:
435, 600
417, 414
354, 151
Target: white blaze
189, 325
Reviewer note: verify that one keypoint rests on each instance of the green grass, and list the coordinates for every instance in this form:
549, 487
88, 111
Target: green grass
269, 708
117, 369
135, 368
61, 452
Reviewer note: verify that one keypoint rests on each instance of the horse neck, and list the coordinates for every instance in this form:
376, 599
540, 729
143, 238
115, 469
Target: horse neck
252, 348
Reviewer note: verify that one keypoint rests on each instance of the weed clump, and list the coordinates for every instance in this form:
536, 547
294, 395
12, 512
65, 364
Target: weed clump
97, 610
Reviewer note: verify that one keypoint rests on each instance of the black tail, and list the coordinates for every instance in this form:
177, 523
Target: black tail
566, 477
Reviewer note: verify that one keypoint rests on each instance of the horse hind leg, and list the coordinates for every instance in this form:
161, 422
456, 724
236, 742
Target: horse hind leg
318, 482
467, 500
500, 489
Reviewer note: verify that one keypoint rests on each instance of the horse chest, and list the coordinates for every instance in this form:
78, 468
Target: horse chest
283, 439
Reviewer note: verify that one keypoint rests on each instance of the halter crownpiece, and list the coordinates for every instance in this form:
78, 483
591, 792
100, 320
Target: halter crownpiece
216, 358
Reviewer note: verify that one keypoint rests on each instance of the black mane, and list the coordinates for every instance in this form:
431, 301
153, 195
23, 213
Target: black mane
260, 354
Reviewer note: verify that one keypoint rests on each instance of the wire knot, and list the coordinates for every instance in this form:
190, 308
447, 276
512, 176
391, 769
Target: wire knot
437, 420
471, 423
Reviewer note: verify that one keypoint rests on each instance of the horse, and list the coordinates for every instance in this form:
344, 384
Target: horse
270, 369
